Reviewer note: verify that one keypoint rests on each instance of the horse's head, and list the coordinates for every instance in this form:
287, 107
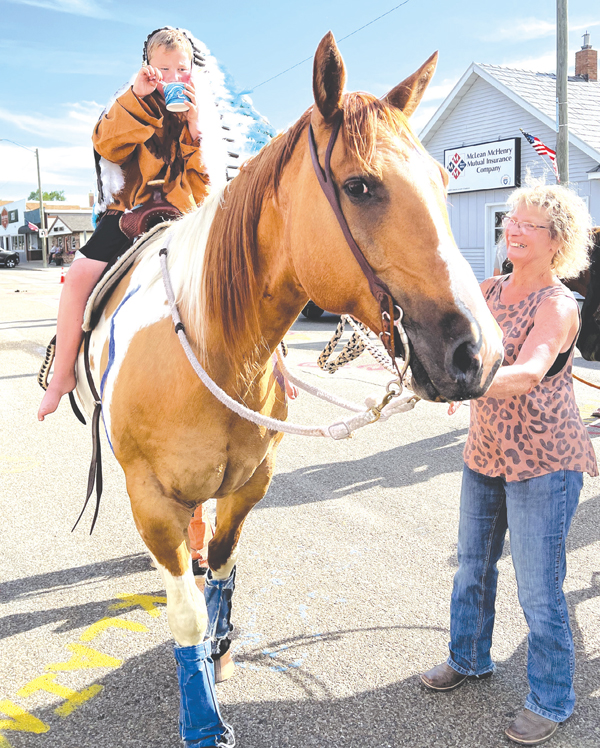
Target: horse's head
588, 341
392, 195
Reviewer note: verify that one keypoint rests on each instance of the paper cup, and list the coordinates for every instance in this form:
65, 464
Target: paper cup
175, 97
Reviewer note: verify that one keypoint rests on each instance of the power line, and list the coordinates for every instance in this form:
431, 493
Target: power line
287, 70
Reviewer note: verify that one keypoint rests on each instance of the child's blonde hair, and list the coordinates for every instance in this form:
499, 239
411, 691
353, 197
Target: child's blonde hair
170, 39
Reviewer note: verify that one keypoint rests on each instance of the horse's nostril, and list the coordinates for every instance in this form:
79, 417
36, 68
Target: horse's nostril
463, 358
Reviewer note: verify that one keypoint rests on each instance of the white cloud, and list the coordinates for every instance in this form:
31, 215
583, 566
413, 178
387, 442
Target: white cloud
422, 116
89, 8
545, 63
64, 168
66, 164
584, 26
18, 54
74, 127
440, 90
526, 29
522, 30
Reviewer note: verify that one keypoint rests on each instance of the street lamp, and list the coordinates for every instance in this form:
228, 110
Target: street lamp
42, 218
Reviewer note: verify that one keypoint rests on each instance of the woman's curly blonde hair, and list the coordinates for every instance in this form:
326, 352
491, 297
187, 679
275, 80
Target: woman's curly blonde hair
569, 220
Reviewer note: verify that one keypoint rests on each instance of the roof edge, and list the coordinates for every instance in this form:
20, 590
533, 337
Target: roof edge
446, 103
477, 69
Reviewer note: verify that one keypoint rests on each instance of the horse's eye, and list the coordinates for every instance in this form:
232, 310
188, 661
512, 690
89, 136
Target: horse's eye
357, 188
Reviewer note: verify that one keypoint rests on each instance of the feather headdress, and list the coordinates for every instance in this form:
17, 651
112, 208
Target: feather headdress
231, 129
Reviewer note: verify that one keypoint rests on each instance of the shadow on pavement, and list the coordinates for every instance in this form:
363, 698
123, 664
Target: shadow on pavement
138, 706
398, 467
66, 578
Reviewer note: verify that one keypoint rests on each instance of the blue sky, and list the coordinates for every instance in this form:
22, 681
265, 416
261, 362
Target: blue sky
61, 60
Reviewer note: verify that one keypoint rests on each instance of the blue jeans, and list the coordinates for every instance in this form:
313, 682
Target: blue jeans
538, 514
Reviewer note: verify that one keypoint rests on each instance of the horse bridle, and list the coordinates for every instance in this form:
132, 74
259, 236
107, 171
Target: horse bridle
391, 313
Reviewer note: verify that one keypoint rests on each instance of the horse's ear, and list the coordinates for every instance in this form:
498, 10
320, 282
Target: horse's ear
408, 94
329, 77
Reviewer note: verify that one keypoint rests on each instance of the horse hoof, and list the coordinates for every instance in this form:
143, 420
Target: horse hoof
224, 667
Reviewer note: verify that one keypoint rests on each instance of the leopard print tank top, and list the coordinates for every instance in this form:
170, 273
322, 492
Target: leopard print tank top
526, 436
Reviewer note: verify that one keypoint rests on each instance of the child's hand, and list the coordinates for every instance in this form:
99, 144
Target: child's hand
192, 112
146, 81
453, 407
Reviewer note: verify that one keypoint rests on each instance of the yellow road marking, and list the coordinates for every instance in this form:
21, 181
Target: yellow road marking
20, 720
16, 464
147, 602
85, 658
97, 628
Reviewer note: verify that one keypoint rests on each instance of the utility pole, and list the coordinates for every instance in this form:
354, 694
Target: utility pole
42, 217
562, 117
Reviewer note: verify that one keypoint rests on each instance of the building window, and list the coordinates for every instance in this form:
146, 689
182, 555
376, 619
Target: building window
13, 216
498, 230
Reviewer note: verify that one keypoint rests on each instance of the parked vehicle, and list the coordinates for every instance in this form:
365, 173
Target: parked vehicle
9, 259
312, 311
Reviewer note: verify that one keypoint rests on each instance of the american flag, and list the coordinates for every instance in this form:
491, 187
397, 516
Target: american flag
32, 226
543, 150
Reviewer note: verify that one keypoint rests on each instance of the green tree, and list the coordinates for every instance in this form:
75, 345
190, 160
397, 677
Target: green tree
51, 196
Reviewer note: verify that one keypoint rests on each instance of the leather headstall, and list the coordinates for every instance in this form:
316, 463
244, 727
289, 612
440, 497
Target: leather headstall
388, 309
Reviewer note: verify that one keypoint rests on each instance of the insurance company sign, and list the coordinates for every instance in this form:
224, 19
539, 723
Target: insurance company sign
486, 166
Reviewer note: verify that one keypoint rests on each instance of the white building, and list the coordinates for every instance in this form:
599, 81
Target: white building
12, 216
69, 228
476, 134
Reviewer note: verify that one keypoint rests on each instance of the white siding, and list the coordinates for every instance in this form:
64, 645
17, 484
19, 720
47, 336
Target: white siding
594, 206
484, 114
467, 220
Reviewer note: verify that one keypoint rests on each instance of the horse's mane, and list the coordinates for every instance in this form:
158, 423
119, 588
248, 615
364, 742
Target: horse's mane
215, 271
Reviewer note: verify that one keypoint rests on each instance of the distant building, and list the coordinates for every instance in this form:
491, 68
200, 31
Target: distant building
12, 215
69, 228
476, 135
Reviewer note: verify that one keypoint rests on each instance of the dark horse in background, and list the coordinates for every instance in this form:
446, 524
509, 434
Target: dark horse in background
588, 285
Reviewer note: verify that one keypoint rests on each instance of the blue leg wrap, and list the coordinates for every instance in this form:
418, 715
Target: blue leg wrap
218, 594
200, 722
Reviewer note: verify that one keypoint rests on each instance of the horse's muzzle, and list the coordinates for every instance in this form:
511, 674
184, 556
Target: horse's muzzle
461, 375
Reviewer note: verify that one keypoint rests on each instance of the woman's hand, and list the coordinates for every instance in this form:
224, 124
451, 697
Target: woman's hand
146, 81
192, 112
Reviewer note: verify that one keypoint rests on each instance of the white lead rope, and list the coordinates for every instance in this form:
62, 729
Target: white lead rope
392, 403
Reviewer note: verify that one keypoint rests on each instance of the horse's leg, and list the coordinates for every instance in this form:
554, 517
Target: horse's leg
162, 522
232, 510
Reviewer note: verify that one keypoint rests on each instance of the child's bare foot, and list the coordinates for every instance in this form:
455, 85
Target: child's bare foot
56, 389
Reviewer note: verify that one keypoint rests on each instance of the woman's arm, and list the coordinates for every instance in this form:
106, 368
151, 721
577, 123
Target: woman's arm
555, 326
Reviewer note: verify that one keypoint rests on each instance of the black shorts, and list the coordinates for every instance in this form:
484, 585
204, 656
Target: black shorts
107, 241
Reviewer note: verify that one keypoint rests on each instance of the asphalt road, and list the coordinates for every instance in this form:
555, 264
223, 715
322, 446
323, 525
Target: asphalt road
343, 582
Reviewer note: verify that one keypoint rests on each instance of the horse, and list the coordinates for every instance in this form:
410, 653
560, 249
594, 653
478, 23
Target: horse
242, 267
588, 285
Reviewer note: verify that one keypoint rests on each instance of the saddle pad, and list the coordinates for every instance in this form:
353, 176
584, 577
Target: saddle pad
113, 275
